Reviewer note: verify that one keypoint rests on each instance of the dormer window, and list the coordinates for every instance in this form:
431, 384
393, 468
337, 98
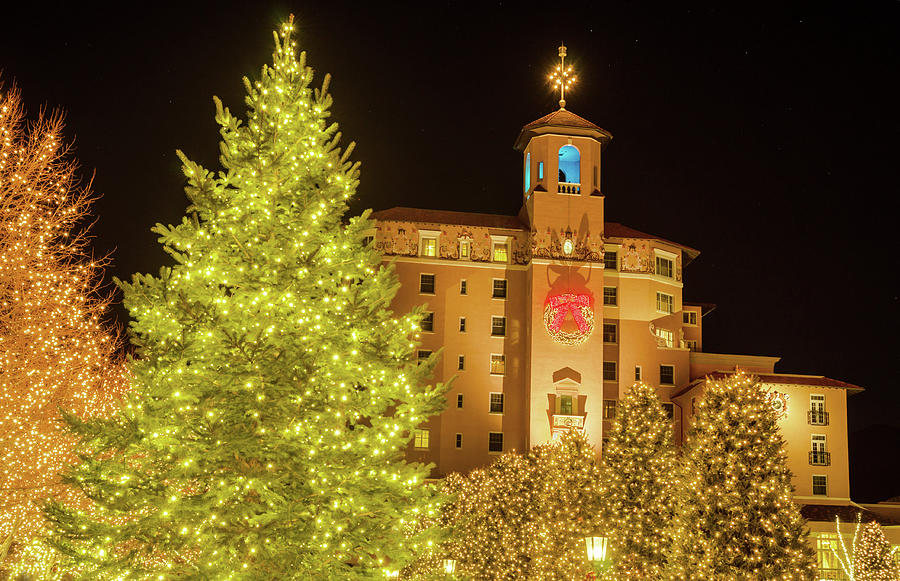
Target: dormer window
500, 248
465, 249
428, 240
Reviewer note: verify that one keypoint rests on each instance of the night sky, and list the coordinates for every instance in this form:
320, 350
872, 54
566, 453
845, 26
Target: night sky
765, 136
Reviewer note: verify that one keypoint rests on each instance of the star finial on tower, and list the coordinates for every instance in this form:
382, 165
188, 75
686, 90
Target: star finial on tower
562, 78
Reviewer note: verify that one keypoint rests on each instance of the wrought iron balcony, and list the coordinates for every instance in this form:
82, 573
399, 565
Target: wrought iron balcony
817, 417
819, 458
564, 422
569, 188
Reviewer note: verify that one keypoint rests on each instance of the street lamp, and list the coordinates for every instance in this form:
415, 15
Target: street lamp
596, 552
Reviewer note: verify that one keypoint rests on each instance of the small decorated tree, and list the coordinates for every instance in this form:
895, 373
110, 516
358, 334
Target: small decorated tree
525, 516
735, 517
275, 390
638, 484
55, 350
873, 557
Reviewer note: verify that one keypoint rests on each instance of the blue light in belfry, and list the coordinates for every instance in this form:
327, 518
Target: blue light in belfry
569, 164
527, 171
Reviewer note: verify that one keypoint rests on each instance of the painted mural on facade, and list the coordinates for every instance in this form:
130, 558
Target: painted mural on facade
402, 239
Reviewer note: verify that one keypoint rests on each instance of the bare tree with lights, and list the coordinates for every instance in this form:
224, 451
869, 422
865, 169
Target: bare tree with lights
275, 391
638, 486
735, 517
55, 350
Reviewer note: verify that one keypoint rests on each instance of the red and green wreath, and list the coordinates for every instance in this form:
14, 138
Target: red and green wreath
557, 310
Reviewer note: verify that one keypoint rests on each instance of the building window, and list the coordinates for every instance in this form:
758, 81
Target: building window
611, 260
637, 372
465, 249
665, 303
689, 317
820, 485
610, 296
462, 324
828, 547
495, 442
498, 364
461, 363
421, 439
540, 170
691, 345
665, 267
817, 414
498, 326
569, 164
426, 284
609, 371
565, 405
501, 252
367, 240
527, 171
818, 456
459, 401
496, 403
669, 408
610, 332
463, 287
609, 409
667, 374
428, 322
459, 440
499, 288
423, 354
429, 247
665, 337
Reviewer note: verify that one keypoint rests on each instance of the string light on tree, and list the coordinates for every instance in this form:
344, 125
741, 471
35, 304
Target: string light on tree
275, 393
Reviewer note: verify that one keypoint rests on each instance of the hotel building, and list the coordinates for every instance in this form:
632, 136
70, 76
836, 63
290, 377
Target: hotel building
547, 318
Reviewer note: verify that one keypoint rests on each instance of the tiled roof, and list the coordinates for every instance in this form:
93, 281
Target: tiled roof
564, 118
616, 230
791, 379
402, 214
847, 514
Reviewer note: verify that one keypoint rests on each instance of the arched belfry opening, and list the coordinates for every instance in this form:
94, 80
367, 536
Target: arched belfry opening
527, 171
569, 165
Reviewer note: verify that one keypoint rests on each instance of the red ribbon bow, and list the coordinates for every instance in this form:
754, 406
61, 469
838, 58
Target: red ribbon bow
562, 305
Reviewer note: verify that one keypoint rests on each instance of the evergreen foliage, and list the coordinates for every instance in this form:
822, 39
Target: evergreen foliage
638, 486
873, 557
735, 518
526, 516
275, 390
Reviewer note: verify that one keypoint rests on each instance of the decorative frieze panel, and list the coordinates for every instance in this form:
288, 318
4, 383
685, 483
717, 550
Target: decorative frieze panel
402, 239
549, 243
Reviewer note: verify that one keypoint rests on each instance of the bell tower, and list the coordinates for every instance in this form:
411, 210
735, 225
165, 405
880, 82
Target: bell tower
563, 206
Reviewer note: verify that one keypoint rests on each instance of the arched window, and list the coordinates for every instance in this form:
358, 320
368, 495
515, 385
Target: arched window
527, 171
569, 165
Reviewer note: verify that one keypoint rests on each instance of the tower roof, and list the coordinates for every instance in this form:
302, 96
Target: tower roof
562, 121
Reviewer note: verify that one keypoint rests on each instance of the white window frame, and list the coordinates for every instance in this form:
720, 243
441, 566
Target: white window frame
499, 317
659, 303
502, 443
665, 336
460, 400
433, 283
460, 362
426, 313
823, 476
615, 296
421, 438
458, 440
615, 327
505, 288
638, 373
467, 244
502, 400
429, 235
661, 365
502, 359
463, 286
615, 367
614, 250
500, 241
609, 404
689, 315
462, 325
664, 255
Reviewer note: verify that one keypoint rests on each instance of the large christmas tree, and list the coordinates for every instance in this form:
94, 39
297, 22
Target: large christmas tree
735, 518
638, 485
275, 390
55, 350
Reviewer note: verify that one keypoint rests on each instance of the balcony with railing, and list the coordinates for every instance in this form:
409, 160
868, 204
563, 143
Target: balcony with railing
819, 458
817, 417
569, 188
566, 422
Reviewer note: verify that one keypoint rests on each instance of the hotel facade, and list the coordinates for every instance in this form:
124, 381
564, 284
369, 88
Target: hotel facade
547, 318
